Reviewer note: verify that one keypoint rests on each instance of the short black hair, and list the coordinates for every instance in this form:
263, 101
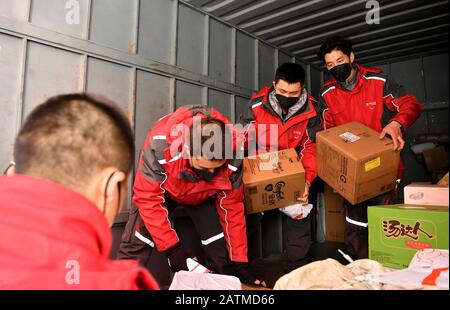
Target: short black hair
291, 73
69, 138
335, 43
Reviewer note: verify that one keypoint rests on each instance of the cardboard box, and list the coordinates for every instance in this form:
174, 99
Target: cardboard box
272, 180
334, 215
355, 162
444, 180
426, 194
436, 158
397, 232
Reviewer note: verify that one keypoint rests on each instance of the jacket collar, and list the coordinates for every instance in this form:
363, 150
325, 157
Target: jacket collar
305, 110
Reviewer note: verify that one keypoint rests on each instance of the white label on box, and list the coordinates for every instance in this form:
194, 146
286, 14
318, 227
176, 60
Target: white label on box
268, 161
349, 137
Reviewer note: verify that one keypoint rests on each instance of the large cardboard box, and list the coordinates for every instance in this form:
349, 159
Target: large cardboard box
355, 162
334, 215
426, 194
272, 180
436, 158
396, 232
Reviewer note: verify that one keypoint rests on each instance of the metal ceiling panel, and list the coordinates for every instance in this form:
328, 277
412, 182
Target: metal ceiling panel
406, 27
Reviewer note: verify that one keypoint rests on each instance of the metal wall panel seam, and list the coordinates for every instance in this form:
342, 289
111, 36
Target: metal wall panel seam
422, 74
77, 45
87, 25
84, 69
308, 79
233, 109
233, 55
206, 41
276, 60
205, 95
174, 44
28, 11
21, 88
172, 87
135, 29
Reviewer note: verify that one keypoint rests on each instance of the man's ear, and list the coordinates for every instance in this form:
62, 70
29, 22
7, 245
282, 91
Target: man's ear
103, 191
352, 57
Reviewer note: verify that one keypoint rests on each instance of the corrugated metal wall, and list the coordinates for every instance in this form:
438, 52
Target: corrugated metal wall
150, 56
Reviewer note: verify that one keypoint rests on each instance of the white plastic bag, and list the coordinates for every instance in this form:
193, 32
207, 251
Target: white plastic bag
185, 280
297, 211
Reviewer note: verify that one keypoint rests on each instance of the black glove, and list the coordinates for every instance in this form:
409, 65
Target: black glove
177, 256
243, 273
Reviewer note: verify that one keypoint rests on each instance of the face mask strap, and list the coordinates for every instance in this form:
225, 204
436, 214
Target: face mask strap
106, 189
11, 164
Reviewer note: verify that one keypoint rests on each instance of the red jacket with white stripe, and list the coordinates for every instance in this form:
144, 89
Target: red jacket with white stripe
372, 93
161, 173
53, 238
375, 101
298, 131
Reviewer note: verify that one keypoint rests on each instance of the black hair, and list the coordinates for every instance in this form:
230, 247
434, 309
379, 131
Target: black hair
291, 73
335, 43
70, 137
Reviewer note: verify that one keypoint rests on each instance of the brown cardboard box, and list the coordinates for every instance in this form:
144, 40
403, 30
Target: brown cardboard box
272, 180
443, 181
334, 215
436, 158
355, 162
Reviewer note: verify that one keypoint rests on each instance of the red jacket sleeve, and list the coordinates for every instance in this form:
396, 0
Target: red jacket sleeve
325, 115
396, 99
307, 156
149, 198
230, 206
307, 151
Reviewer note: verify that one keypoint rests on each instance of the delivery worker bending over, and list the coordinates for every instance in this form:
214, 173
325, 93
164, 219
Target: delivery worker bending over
183, 163
365, 95
288, 109
73, 156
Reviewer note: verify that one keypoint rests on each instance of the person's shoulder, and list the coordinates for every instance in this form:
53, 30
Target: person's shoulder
372, 73
261, 94
326, 87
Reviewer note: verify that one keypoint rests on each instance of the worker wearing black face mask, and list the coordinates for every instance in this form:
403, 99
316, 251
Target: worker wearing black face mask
365, 95
288, 107
341, 72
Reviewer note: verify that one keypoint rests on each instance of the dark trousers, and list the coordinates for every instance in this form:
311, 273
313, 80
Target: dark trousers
356, 235
207, 225
298, 239
298, 242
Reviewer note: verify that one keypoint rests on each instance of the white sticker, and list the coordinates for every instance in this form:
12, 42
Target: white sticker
349, 137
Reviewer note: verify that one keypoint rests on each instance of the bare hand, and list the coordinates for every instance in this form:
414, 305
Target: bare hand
304, 197
393, 129
260, 283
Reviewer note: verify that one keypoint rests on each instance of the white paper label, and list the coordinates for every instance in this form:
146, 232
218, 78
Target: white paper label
349, 137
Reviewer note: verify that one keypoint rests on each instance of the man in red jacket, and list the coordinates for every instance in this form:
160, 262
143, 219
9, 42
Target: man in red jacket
72, 155
363, 94
175, 172
286, 113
